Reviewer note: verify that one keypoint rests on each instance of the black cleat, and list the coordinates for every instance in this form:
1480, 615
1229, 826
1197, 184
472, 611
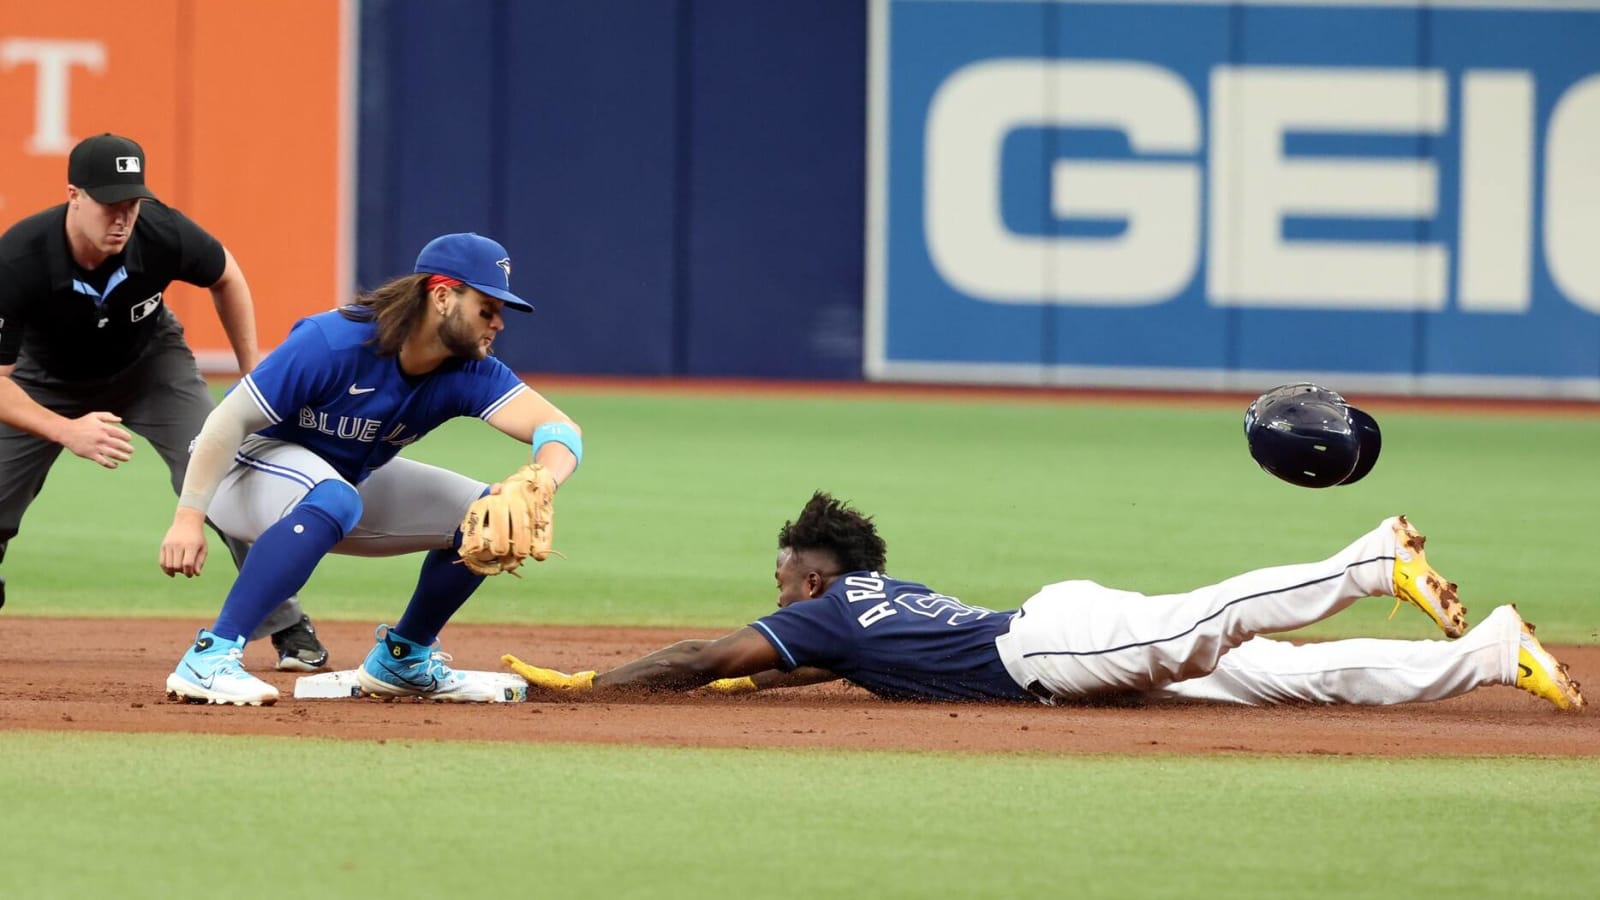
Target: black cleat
298, 648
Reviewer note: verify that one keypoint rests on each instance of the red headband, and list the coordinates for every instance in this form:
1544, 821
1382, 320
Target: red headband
436, 280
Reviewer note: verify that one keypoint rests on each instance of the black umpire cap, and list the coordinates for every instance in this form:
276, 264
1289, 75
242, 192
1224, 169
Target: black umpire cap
109, 167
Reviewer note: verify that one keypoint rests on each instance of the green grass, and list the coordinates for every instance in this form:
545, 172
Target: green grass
164, 816
673, 517
672, 520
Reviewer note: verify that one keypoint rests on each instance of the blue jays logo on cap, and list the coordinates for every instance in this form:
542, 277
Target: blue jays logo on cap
474, 259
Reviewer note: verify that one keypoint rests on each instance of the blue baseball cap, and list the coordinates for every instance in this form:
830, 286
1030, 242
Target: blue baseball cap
474, 259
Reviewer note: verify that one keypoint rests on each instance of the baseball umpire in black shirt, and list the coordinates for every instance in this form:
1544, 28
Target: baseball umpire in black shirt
87, 345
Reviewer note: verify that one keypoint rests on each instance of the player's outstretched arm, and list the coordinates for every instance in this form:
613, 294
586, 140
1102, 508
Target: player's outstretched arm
516, 519
557, 440
683, 666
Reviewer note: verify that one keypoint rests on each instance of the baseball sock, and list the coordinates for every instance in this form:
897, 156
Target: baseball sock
279, 564
442, 587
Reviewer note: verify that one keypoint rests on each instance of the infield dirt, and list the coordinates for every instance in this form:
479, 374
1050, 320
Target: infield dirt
107, 675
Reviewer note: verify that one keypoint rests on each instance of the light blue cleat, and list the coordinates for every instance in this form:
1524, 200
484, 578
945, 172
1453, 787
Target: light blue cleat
397, 667
212, 671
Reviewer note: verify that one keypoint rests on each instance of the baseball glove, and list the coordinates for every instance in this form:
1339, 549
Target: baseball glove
506, 527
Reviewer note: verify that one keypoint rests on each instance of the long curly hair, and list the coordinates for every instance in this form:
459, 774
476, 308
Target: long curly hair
398, 305
833, 527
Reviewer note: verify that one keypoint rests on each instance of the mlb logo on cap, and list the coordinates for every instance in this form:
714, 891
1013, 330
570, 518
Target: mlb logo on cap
128, 164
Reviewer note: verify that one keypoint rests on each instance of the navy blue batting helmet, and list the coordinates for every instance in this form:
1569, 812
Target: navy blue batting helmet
1308, 435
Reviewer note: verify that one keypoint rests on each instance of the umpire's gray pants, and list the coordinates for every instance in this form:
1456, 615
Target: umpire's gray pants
161, 397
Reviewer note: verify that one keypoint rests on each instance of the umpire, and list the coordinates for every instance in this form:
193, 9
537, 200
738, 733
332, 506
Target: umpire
87, 345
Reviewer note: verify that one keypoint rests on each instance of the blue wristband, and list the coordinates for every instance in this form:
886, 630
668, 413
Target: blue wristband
563, 434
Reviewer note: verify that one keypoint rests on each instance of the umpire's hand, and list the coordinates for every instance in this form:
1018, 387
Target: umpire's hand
97, 438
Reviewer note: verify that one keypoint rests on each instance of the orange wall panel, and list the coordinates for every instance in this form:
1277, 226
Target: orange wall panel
264, 132
238, 108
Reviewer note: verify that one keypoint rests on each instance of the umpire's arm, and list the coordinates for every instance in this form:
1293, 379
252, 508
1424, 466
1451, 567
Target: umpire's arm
95, 436
237, 313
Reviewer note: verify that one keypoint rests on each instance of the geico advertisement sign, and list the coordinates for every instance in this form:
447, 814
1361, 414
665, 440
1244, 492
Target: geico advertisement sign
1241, 186
1377, 156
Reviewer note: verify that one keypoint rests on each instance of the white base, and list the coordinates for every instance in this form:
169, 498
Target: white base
507, 688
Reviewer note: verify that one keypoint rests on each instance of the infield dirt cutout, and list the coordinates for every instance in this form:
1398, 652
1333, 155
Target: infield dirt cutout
60, 674
108, 674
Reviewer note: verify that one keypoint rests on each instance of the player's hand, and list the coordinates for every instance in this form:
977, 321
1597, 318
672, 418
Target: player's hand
184, 547
550, 679
97, 438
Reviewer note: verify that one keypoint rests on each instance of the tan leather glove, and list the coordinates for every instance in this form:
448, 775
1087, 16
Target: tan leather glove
503, 528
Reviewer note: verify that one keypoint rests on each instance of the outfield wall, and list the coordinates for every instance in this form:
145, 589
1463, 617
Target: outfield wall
1386, 196
680, 184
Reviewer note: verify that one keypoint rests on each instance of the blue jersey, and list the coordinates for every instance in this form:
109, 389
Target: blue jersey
326, 389
897, 639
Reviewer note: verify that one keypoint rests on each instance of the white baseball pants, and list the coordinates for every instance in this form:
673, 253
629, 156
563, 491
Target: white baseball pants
1078, 639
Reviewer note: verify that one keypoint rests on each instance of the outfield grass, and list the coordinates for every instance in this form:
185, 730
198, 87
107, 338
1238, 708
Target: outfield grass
673, 517
166, 816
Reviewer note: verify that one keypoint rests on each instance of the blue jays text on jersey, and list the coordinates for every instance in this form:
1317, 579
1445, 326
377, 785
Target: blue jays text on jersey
357, 409
897, 639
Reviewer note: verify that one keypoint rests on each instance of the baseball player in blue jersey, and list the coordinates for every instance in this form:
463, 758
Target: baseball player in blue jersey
840, 616
300, 459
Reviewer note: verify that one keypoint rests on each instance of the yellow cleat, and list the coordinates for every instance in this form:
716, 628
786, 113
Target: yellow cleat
1541, 675
1416, 582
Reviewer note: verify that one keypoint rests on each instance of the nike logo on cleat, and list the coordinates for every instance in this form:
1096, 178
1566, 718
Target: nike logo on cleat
1524, 671
205, 681
426, 683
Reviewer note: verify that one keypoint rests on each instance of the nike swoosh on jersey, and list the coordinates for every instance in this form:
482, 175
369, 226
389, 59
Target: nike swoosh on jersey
361, 390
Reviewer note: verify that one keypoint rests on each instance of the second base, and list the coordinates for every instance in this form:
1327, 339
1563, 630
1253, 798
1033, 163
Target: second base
508, 688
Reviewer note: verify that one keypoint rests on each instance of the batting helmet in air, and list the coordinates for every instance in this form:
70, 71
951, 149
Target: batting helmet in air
1308, 435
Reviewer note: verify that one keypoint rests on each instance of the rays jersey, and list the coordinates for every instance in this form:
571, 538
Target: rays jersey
327, 390
897, 639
